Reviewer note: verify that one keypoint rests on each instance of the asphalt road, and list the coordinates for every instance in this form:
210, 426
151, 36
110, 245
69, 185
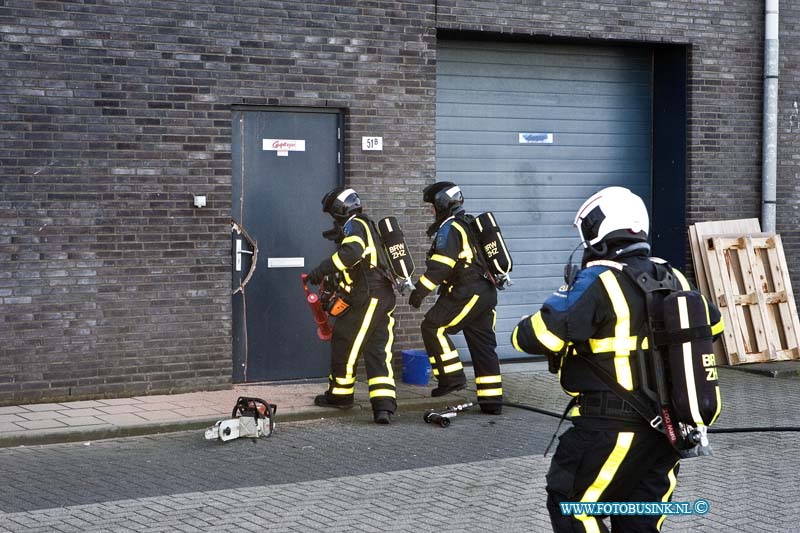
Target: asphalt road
483, 473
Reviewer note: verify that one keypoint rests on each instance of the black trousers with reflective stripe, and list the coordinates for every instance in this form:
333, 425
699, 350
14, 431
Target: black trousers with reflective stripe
368, 329
610, 466
469, 308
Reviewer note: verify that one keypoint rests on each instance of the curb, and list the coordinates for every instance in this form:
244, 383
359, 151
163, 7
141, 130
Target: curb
778, 369
101, 432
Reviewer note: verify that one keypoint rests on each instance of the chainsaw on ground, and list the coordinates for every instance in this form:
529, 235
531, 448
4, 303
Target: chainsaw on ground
251, 417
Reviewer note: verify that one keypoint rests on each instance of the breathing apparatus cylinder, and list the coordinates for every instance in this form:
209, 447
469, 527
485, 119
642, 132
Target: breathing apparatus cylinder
694, 387
492, 244
400, 261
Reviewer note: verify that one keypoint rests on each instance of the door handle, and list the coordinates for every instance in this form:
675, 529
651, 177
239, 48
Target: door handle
239, 253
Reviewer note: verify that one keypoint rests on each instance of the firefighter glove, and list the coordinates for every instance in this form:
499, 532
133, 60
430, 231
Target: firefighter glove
415, 299
315, 276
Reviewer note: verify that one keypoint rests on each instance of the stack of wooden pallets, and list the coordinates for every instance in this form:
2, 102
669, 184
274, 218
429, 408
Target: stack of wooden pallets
744, 272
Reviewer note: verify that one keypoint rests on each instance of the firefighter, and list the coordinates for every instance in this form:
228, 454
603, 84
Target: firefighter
466, 302
367, 326
611, 453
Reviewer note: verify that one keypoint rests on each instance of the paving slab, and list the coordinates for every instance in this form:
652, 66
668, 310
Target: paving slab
749, 399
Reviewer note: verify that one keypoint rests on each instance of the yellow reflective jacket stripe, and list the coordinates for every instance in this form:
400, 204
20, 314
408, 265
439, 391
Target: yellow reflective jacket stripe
613, 344
428, 284
545, 336
443, 259
466, 249
622, 329
369, 249
337, 262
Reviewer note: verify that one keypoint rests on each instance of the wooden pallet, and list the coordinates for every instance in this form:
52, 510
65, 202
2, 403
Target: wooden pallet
697, 234
750, 282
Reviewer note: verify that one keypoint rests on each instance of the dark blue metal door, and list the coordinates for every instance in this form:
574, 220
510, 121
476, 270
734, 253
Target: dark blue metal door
284, 161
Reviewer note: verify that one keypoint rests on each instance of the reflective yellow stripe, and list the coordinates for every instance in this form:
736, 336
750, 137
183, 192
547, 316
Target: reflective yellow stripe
719, 405
622, 329
514, 340
347, 279
369, 249
381, 381
718, 328
362, 332
344, 381
487, 379
354, 238
428, 284
435, 370
443, 259
611, 344
459, 317
382, 392
494, 319
338, 262
388, 348
449, 355
489, 392
545, 336
682, 280
343, 391
688, 365
672, 482
604, 477
452, 368
622, 367
466, 250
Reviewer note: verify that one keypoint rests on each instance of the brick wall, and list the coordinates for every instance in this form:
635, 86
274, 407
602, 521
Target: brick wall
114, 113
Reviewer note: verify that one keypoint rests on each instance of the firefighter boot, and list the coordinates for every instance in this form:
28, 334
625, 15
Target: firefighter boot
382, 417
329, 400
491, 408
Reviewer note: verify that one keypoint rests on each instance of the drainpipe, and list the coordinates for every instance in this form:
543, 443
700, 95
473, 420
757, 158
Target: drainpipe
769, 165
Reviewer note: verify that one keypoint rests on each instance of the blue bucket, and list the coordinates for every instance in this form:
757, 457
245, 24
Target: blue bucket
416, 367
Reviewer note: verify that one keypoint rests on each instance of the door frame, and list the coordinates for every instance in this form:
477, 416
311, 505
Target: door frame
298, 109
340, 112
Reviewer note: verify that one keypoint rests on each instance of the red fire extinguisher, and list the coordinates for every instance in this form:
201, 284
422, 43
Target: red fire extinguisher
324, 331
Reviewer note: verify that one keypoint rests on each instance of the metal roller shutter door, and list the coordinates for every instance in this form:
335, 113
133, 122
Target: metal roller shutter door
596, 101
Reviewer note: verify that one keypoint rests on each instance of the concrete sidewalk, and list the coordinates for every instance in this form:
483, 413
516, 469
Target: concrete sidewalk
140, 415
749, 398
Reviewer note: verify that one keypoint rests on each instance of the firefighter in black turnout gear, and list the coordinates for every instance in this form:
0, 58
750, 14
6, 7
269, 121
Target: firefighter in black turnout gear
356, 272
611, 453
467, 301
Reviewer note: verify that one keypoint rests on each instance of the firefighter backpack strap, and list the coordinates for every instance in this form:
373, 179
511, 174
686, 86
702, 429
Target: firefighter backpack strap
640, 405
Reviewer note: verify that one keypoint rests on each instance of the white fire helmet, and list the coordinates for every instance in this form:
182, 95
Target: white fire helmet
612, 213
